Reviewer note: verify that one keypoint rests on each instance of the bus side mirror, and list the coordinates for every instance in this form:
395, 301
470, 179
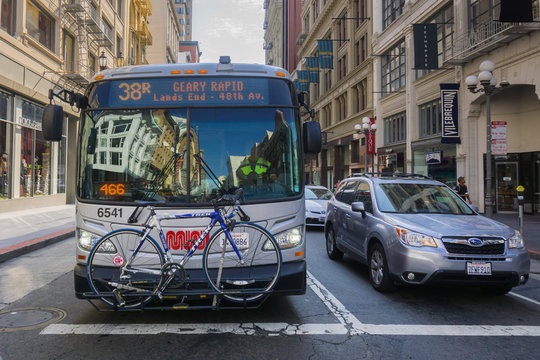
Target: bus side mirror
52, 122
312, 137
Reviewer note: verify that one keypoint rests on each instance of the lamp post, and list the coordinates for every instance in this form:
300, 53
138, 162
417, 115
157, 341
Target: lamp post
366, 128
102, 61
489, 85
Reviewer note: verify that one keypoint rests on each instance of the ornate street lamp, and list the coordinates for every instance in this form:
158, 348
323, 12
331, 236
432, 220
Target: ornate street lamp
489, 85
366, 128
120, 60
102, 61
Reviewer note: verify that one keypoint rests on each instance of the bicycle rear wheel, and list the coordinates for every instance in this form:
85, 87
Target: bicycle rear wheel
109, 275
248, 280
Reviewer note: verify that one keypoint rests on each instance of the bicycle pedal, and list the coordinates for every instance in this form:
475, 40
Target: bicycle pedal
119, 299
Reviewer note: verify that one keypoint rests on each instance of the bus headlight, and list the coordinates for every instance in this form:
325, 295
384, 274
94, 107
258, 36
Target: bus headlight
288, 238
87, 240
516, 241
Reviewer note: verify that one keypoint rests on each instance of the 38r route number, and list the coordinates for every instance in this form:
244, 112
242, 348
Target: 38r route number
108, 212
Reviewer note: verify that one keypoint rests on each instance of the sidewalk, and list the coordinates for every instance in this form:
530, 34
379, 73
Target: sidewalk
28, 230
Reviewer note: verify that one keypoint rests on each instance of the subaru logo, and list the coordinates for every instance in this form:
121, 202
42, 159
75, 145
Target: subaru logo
475, 242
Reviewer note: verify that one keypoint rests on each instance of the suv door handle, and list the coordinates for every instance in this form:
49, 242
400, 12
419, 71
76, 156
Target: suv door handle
348, 216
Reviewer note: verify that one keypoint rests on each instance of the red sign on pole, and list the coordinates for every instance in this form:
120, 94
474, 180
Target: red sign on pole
371, 139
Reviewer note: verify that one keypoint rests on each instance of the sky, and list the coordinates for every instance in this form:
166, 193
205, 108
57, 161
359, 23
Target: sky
229, 27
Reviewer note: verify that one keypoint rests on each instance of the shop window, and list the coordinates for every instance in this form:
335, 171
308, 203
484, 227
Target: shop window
7, 20
40, 25
35, 175
5, 165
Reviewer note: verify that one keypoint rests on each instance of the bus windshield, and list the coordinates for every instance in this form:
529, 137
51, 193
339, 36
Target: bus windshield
149, 154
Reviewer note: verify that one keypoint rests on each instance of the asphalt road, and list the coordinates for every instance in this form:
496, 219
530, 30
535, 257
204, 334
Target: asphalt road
340, 317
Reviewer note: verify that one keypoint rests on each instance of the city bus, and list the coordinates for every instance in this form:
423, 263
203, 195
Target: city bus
143, 130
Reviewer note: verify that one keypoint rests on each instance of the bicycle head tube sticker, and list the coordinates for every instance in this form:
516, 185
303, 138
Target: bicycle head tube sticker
118, 260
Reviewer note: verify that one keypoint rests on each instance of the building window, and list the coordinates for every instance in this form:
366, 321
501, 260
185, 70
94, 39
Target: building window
395, 129
342, 107
306, 24
360, 50
7, 21
181, 21
360, 96
392, 9
181, 10
359, 7
483, 12
69, 52
342, 67
91, 65
393, 68
429, 115
445, 36
327, 112
342, 29
315, 9
40, 25
107, 29
327, 80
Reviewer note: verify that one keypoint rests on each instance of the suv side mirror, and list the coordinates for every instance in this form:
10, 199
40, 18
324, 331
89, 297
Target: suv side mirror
52, 122
358, 206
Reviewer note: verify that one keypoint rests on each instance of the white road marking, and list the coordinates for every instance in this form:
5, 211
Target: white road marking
348, 325
524, 298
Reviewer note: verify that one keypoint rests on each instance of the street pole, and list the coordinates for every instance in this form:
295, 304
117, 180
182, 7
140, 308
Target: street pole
489, 203
365, 151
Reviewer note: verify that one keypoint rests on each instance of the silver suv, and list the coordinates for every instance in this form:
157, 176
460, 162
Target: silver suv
414, 230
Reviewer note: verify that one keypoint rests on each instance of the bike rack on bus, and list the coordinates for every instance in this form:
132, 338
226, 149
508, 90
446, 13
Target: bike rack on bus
204, 296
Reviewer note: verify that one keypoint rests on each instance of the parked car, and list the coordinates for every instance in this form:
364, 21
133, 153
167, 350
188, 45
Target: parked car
317, 198
411, 229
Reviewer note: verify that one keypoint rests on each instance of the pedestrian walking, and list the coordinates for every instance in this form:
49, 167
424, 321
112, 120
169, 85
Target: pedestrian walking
462, 190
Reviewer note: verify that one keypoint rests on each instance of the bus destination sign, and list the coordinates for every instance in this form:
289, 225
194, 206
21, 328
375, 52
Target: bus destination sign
195, 91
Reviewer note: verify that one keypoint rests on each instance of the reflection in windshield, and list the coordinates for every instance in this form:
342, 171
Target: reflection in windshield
318, 194
419, 198
129, 155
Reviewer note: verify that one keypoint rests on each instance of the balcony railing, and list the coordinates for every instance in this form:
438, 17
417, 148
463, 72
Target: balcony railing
485, 38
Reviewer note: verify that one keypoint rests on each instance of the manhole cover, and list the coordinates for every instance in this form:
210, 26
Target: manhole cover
29, 318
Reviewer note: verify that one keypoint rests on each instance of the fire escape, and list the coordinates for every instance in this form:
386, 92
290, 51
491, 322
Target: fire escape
82, 18
142, 33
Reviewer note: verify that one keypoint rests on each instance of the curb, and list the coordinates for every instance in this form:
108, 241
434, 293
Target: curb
13, 251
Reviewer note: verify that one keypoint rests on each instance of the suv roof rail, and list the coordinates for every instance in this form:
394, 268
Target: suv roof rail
390, 174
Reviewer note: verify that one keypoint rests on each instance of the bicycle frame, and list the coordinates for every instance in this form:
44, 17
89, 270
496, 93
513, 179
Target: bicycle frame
154, 220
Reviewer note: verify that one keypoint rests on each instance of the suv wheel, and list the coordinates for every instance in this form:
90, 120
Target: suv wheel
378, 269
333, 252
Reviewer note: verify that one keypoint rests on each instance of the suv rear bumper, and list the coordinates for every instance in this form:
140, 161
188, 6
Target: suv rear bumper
436, 266
291, 282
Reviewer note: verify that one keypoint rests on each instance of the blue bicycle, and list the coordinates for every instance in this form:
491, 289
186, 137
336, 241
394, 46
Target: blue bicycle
241, 262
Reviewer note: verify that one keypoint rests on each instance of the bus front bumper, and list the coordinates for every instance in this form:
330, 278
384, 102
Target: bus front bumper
291, 282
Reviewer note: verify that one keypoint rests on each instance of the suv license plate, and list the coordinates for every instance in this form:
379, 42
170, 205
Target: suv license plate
478, 268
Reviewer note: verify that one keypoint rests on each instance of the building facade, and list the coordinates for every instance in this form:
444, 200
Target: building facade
52, 45
281, 28
184, 10
188, 52
408, 100
165, 26
344, 94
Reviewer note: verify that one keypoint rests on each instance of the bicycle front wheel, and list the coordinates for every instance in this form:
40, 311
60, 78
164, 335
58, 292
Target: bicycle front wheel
119, 274
247, 278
